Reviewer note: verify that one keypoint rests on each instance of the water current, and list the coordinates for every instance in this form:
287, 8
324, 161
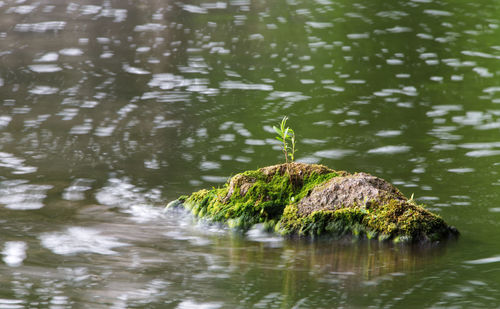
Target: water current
110, 109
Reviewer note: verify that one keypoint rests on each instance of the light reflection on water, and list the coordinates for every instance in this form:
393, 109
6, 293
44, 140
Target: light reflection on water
173, 260
108, 110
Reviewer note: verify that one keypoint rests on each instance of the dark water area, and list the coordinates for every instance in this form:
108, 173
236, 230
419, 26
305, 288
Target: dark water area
111, 109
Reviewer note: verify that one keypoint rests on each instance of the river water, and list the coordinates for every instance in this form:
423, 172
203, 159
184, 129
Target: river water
111, 109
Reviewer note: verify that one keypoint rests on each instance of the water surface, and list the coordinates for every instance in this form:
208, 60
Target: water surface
111, 109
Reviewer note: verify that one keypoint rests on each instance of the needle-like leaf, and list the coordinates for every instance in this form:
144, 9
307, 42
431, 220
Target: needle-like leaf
278, 131
285, 135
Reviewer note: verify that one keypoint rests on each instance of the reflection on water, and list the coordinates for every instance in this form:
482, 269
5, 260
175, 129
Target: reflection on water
17, 194
110, 109
174, 260
14, 253
79, 240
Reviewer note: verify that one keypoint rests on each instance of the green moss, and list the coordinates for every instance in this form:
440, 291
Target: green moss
256, 196
332, 222
406, 219
400, 221
270, 196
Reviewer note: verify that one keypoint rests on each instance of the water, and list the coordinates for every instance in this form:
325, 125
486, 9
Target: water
111, 109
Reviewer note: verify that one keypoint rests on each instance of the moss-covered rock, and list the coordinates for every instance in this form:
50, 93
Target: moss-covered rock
311, 200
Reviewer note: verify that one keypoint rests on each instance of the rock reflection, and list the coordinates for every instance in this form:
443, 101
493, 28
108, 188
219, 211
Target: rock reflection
336, 261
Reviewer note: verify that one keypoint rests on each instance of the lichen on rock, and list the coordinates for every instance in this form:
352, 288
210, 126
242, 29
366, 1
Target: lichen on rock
299, 199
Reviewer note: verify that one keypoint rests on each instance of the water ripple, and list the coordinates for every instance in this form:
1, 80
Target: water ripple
19, 195
392, 149
194, 9
134, 70
493, 259
71, 52
76, 191
153, 27
244, 86
10, 161
41, 27
333, 153
483, 153
45, 68
44, 90
75, 240
48, 57
438, 13
14, 253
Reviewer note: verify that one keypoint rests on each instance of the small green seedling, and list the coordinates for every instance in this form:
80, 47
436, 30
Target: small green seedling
411, 200
286, 135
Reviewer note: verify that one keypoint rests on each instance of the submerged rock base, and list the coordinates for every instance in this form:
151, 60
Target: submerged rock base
300, 199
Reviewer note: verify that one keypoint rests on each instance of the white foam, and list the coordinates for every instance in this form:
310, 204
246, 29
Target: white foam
257, 233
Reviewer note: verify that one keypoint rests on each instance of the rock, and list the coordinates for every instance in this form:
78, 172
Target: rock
298, 199
347, 192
